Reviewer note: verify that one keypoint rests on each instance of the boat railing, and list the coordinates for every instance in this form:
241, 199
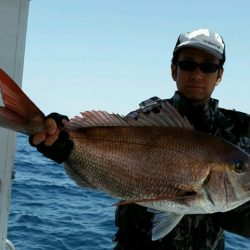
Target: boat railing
9, 245
13, 24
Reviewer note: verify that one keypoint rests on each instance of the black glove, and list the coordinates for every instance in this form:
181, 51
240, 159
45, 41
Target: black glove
61, 149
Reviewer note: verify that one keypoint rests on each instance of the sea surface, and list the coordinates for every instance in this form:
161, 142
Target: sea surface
49, 212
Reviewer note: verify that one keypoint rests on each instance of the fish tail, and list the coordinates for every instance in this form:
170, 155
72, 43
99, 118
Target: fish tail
19, 113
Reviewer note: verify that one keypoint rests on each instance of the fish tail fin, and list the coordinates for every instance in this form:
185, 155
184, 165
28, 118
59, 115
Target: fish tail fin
19, 113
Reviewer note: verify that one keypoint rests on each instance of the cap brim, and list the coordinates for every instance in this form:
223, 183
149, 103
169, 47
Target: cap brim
199, 46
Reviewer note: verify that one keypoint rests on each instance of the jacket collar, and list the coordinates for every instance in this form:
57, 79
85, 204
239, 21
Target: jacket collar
202, 116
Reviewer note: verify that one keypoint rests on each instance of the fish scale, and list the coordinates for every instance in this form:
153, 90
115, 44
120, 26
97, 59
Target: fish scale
138, 169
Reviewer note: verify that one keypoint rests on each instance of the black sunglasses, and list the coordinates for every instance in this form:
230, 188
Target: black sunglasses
206, 67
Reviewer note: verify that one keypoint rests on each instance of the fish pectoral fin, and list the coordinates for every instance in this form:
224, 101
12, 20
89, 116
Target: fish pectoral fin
186, 195
163, 223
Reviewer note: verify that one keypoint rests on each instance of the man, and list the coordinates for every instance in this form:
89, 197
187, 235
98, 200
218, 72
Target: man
197, 68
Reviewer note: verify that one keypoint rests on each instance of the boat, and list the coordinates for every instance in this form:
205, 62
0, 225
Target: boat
13, 26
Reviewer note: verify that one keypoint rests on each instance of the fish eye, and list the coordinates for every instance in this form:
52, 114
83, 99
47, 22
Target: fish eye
239, 167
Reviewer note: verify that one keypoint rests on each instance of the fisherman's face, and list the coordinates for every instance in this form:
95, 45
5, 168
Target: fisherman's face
196, 85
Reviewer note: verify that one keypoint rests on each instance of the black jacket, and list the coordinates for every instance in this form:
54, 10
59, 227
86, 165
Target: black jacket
193, 231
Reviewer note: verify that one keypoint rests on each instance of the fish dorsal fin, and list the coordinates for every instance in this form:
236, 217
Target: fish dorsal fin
167, 116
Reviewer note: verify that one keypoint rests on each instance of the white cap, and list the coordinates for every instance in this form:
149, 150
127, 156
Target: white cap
203, 39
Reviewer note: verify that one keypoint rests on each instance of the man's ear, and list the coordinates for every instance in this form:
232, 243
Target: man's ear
219, 76
174, 71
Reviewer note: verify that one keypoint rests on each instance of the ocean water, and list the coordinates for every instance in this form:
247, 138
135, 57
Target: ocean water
49, 212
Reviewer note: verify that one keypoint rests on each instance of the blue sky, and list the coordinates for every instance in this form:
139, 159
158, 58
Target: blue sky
111, 54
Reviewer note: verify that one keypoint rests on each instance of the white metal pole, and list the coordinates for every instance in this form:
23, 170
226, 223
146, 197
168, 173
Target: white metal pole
13, 26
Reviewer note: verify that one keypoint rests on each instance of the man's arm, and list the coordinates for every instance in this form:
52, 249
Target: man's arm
236, 221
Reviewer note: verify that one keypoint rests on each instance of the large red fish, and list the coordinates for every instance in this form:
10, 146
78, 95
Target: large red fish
157, 161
